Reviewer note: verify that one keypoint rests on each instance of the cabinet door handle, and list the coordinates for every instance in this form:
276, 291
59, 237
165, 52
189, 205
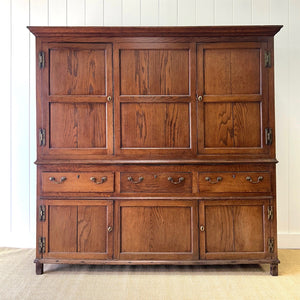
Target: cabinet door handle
62, 179
180, 179
109, 229
108, 98
200, 98
219, 178
135, 182
94, 179
259, 179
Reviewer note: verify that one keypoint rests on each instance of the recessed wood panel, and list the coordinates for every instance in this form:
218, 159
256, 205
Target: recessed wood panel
231, 71
154, 72
234, 228
247, 124
156, 229
62, 229
92, 229
218, 125
77, 71
80, 125
232, 125
159, 125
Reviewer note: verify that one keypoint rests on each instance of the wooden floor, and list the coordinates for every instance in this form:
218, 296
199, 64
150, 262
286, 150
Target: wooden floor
18, 280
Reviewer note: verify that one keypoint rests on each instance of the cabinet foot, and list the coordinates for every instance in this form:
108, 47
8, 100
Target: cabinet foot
274, 269
39, 268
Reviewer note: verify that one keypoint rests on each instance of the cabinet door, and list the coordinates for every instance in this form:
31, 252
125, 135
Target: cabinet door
78, 229
234, 229
155, 111
77, 100
157, 229
233, 113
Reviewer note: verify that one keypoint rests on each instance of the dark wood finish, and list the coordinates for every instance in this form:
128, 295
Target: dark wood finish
155, 145
39, 268
274, 269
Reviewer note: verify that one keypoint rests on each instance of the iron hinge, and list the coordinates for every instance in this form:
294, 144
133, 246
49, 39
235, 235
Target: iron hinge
42, 136
270, 213
268, 59
269, 136
42, 244
42, 59
42, 214
271, 245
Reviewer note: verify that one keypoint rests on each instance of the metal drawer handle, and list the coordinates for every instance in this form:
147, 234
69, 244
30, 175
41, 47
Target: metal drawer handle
259, 179
180, 179
62, 179
94, 179
135, 182
219, 178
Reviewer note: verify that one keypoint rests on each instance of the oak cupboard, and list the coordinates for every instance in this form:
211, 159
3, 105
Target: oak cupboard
156, 145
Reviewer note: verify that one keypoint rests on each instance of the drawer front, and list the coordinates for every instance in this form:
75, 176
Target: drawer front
77, 182
222, 182
156, 182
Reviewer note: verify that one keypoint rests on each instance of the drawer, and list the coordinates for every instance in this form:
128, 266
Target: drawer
156, 182
222, 182
84, 182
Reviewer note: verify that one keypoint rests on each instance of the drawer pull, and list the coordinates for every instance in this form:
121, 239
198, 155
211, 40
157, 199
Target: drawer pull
259, 179
62, 179
94, 179
135, 182
180, 179
219, 178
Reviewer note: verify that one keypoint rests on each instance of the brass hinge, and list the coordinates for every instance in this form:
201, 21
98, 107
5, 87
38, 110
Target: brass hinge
271, 245
268, 59
42, 136
42, 214
270, 213
42, 59
269, 136
42, 244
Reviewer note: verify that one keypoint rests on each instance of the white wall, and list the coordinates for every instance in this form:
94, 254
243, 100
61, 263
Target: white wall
17, 77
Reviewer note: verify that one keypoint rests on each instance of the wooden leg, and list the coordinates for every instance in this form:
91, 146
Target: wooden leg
274, 269
39, 268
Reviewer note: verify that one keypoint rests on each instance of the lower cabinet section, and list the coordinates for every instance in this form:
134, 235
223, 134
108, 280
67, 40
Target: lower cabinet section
234, 229
157, 230
78, 229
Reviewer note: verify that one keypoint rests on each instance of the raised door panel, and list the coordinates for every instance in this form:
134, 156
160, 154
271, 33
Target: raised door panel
233, 112
160, 229
234, 229
78, 229
155, 111
77, 100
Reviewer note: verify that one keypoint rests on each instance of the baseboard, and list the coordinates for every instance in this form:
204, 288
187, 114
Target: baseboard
27, 240
289, 240
17, 239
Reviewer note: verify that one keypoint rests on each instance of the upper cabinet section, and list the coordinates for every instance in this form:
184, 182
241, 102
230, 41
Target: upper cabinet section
154, 106
164, 93
232, 81
77, 109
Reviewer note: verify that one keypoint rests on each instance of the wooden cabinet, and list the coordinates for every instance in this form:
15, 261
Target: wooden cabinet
156, 145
